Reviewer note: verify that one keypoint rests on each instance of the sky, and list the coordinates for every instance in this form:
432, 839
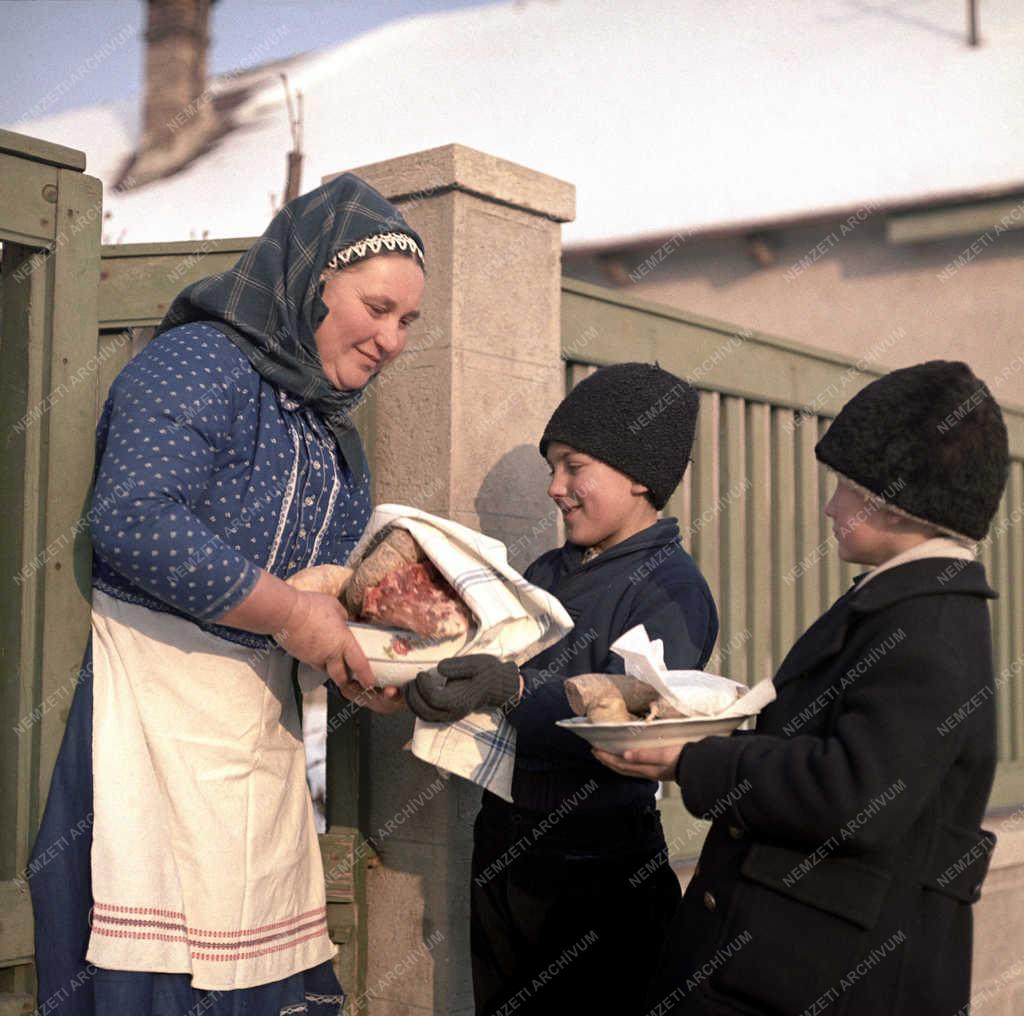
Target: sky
61, 54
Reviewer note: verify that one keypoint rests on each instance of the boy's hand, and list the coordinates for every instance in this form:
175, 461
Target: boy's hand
462, 685
645, 763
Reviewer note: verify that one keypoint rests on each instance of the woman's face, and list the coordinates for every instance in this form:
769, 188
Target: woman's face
369, 309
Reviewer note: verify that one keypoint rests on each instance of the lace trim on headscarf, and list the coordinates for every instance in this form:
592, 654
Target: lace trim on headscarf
375, 245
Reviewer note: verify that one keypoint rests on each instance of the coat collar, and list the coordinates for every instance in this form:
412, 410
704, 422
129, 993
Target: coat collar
929, 576
937, 546
926, 577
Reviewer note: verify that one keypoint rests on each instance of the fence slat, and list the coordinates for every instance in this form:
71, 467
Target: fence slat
1002, 623
783, 538
72, 356
706, 536
831, 565
732, 547
1014, 593
22, 356
681, 505
760, 523
808, 542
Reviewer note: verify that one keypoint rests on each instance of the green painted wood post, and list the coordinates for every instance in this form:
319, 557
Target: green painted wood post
49, 368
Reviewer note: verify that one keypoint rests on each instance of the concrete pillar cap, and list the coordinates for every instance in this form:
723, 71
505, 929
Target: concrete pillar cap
425, 174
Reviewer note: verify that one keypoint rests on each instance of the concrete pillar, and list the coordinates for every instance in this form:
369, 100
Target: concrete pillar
456, 422
997, 985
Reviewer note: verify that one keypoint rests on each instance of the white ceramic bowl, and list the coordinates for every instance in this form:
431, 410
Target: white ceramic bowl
620, 737
396, 656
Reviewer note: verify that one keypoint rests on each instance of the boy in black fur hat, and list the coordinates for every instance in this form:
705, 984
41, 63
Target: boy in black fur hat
840, 874
571, 881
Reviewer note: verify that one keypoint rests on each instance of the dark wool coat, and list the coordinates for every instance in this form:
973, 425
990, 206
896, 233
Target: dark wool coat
846, 849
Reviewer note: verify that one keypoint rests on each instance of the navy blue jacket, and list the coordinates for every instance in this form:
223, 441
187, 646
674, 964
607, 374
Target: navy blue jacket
648, 579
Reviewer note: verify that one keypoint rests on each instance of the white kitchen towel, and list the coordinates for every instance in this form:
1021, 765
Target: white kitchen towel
515, 621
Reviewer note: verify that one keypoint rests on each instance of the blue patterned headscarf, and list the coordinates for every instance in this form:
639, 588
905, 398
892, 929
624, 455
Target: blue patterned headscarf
270, 303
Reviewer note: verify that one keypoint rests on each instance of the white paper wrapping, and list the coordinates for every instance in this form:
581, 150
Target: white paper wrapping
693, 692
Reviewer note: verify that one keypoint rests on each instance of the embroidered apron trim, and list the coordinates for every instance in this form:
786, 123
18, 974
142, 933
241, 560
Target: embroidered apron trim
145, 929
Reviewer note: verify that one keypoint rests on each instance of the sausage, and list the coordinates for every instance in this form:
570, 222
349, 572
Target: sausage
600, 693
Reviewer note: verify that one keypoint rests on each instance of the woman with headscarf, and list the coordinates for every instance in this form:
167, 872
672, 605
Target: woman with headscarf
177, 869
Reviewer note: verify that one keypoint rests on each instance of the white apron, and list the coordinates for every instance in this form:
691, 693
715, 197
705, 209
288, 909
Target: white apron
205, 859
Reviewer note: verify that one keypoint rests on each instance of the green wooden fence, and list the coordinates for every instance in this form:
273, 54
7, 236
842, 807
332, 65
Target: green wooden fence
750, 506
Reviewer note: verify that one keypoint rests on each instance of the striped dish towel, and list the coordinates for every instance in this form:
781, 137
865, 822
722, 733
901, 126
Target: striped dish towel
515, 621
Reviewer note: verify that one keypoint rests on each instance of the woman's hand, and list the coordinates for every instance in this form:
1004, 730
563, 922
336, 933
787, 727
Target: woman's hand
379, 700
315, 632
645, 763
310, 626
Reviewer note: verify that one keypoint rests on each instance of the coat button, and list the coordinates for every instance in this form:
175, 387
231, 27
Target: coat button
735, 833
710, 902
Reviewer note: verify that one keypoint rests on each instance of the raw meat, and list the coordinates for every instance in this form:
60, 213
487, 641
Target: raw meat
417, 597
397, 585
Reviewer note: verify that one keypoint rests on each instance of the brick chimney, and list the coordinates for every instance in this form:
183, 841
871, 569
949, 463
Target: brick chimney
178, 119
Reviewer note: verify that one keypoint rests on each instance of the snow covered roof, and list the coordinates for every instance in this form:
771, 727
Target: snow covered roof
667, 115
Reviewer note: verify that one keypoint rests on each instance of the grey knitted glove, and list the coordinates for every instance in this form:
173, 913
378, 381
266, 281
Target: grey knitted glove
461, 685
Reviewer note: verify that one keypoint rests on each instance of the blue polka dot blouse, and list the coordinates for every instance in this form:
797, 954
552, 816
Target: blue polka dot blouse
206, 472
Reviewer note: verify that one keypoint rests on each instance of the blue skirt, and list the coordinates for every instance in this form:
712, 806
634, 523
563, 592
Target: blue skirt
60, 881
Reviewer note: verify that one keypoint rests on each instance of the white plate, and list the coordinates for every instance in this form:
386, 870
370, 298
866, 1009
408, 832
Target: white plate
620, 737
396, 656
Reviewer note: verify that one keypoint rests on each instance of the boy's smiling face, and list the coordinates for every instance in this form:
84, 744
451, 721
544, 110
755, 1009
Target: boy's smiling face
600, 505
